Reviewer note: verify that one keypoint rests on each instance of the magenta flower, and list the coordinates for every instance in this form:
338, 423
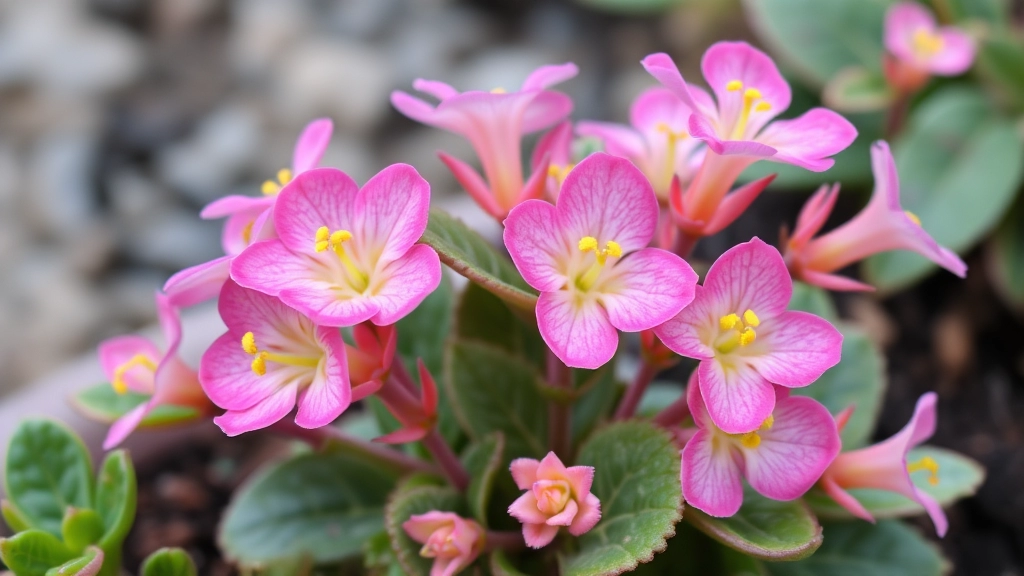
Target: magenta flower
920, 47
249, 219
587, 256
344, 254
134, 363
781, 458
745, 338
658, 140
272, 358
881, 226
884, 466
452, 541
738, 129
555, 496
494, 123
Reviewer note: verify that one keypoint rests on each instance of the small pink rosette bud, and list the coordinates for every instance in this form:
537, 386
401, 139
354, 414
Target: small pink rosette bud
452, 541
555, 496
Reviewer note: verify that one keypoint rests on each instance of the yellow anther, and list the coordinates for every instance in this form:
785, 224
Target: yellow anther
324, 239
736, 331
729, 321
747, 336
913, 217
498, 90
613, 249
762, 107
734, 85
321, 239
588, 243
120, 386
751, 440
247, 232
752, 100
284, 176
560, 171
269, 188
751, 319
249, 343
927, 463
926, 42
339, 236
751, 94
768, 423
260, 357
259, 364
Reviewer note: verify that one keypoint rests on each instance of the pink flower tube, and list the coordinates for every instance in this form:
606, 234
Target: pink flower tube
555, 496
452, 541
917, 47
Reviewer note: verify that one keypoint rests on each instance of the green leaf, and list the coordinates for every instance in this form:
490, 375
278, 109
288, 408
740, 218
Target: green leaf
33, 552
168, 562
959, 167
81, 528
102, 404
483, 460
16, 521
1006, 258
483, 317
86, 565
470, 255
812, 299
502, 566
48, 470
493, 391
1001, 62
636, 477
858, 548
594, 401
691, 553
959, 477
764, 528
325, 505
857, 89
422, 333
415, 497
116, 493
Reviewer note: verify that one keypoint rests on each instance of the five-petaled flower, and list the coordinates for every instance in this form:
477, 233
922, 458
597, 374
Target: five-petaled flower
781, 459
917, 47
885, 466
494, 123
881, 226
452, 541
555, 496
745, 338
345, 255
133, 363
738, 130
587, 256
270, 359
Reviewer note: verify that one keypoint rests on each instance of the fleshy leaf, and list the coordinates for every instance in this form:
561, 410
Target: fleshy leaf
81, 527
856, 89
482, 316
1006, 258
89, 564
636, 477
764, 528
470, 255
483, 460
16, 521
168, 562
415, 496
102, 404
692, 553
33, 552
116, 495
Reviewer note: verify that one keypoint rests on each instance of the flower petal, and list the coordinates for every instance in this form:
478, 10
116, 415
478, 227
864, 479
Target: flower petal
753, 276
546, 76
710, 477
310, 146
315, 198
566, 516
545, 110
392, 211
226, 375
738, 399
684, 332
539, 535
261, 415
536, 244
702, 129
524, 472
957, 53
647, 288
576, 330
330, 393
407, 281
126, 424
664, 69
618, 140
525, 510
902, 21
587, 517
798, 348
580, 478
809, 139
725, 62
199, 283
115, 352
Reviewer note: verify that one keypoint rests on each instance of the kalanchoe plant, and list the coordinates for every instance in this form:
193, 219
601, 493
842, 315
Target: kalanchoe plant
515, 424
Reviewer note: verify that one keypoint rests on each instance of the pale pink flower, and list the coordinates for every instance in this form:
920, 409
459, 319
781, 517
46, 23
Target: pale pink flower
345, 255
249, 219
884, 466
136, 364
738, 128
881, 226
494, 123
920, 47
555, 496
588, 257
781, 459
554, 150
272, 358
452, 541
745, 338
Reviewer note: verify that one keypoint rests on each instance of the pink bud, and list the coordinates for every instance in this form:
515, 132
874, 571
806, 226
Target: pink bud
452, 541
556, 496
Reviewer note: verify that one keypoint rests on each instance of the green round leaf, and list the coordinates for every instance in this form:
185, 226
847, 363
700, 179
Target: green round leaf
857, 89
415, 497
691, 553
33, 552
116, 493
808, 298
636, 477
102, 404
88, 565
168, 562
483, 460
81, 528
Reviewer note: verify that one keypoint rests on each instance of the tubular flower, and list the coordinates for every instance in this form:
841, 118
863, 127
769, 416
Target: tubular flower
738, 129
658, 140
555, 496
346, 255
494, 123
917, 47
746, 340
272, 358
554, 150
587, 256
881, 226
884, 466
136, 364
452, 541
248, 219
781, 458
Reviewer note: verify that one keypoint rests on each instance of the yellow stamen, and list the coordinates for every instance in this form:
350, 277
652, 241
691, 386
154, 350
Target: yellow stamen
750, 96
734, 86
751, 319
261, 357
913, 217
247, 232
751, 440
249, 343
737, 331
284, 176
589, 244
927, 43
768, 423
324, 239
560, 171
498, 90
927, 463
747, 336
269, 188
728, 321
670, 155
120, 386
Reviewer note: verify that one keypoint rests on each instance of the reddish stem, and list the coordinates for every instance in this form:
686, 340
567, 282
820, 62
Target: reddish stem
684, 244
318, 437
446, 459
635, 392
559, 412
674, 413
507, 541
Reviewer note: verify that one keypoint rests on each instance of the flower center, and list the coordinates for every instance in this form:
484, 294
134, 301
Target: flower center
589, 244
261, 357
753, 439
551, 495
440, 544
927, 463
269, 188
736, 331
672, 138
926, 43
120, 386
752, 101
560, 171
325, 239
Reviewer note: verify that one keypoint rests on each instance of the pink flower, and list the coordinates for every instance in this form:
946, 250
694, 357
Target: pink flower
134, 363
658, 141
346, 255
587, 256
494, 123
249, 219
738, 129
919, 47
745, 338
452, 541
781, 458
272, 358
554, 150
881, 226
884, 466
555, 496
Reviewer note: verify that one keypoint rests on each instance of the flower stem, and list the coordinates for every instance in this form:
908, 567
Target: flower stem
674, 413
318, 437
504, 540
446, 459
635, 392
402, 376
559, 412
684, 244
